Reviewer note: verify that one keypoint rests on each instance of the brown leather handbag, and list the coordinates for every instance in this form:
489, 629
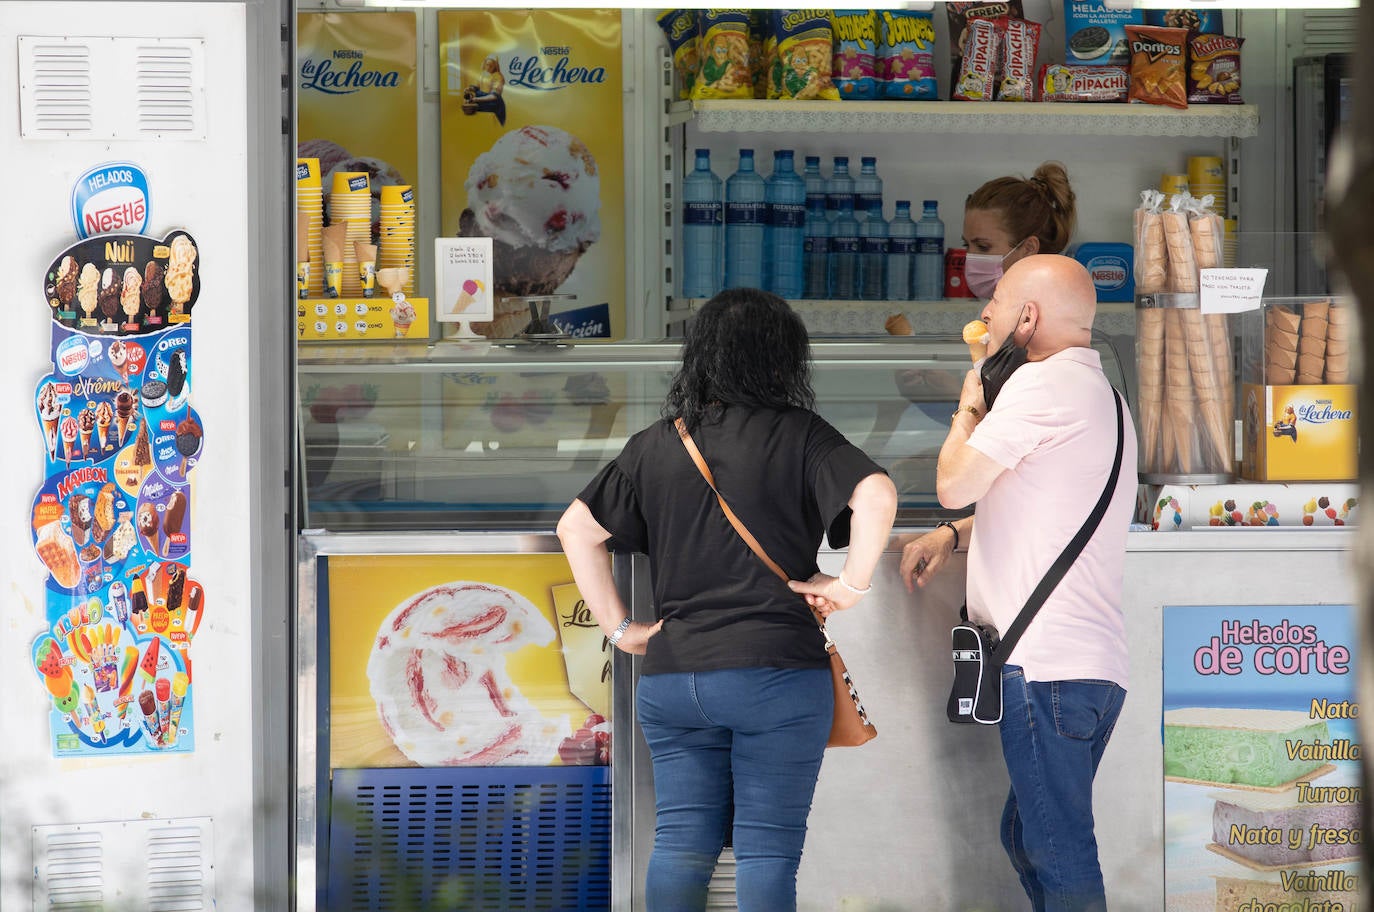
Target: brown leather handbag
851, 726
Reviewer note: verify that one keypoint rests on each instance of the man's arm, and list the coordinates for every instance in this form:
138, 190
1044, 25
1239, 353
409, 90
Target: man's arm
963, 474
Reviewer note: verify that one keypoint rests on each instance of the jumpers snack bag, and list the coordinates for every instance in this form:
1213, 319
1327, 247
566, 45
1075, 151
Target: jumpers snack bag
856, 53
906, 55
724, 55
761, 47
802, 68
680, 26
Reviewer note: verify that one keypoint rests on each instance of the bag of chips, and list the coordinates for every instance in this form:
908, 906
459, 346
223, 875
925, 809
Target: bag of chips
960, 12
762, 44
1061, 82
680, 27
856, 53
1214, 70
1020, 43
1157, 57
978, 69
801, 70
906, 55
724, 55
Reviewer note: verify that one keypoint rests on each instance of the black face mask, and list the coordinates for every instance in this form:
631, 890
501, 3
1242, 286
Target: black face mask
1000, 365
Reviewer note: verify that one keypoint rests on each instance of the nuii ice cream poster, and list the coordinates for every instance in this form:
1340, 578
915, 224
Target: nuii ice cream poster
111, 522
1261, 758
462, 660
533, 156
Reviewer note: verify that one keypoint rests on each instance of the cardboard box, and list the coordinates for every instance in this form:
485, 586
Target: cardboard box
1299, 433
1095, 32
1303, 505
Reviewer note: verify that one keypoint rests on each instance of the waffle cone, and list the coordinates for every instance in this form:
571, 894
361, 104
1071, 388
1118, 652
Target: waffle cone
1315, 310
898, 325
1312, 345
1282, 318
1275, 375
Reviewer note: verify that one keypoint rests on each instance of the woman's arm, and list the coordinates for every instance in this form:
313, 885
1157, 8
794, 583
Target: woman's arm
874, 503
584, 543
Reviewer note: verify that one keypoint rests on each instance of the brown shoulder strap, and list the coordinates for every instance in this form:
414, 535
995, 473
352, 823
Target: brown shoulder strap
705, 470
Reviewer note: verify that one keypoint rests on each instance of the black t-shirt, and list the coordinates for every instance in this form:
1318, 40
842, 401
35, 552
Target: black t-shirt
788, 475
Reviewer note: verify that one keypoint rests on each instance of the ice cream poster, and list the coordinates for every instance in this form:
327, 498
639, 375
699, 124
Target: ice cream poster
1261, 758
533, 154
356, 102
111, 522
462, 660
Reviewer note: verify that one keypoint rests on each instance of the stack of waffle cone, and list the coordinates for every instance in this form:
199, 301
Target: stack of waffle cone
1338, 344
1178, 241
1312, 342
1180, 438
1149, 342
1151, 252
1280, 346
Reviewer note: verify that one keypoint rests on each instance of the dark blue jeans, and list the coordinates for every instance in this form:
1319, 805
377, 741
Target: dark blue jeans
1053, 736
756, 735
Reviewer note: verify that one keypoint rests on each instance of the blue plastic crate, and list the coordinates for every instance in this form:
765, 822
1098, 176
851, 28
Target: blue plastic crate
479, 839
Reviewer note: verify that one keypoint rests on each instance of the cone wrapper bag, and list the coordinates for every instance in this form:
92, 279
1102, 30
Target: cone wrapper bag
334, 239
367, 267
1151, 252
302, 254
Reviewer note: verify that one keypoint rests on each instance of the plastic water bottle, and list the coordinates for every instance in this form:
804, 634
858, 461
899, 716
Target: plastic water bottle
844, 253
872, 253
901, 248
702, 225
929, 281
746, 211
786, 234
868, 186
815, 183
816, 250
840, 186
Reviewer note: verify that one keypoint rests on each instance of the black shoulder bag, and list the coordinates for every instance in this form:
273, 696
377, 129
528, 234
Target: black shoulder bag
976, 695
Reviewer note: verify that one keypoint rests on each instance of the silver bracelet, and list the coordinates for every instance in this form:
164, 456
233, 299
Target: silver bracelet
853, 589
614, 638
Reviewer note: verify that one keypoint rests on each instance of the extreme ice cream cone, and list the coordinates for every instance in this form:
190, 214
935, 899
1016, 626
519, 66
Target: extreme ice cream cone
976, 338
536, 193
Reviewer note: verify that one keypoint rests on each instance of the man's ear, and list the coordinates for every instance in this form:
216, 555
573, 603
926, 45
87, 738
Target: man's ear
1030, 319
1032, 245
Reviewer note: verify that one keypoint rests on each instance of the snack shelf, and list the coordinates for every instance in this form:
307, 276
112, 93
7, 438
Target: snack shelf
997, 117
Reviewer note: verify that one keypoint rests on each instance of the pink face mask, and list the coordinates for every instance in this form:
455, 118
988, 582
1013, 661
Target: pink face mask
983, 271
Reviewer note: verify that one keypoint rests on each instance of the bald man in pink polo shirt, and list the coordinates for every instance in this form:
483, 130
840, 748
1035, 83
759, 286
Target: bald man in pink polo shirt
1035, 461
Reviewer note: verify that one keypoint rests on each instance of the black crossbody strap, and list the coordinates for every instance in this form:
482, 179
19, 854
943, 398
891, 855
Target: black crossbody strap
1071, 551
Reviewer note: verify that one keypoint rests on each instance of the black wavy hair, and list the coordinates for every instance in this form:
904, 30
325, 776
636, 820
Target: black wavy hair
744, 347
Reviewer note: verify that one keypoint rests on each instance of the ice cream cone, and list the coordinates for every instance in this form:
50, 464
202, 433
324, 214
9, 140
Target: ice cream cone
50, 435
898, 325
402, 329
976, 337
85, 441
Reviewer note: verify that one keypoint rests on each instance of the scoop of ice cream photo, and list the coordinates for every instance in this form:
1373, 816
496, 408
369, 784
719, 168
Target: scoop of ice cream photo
438, 675
537, 194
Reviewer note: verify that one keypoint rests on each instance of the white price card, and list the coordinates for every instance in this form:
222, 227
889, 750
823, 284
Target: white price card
462, 288
1231, 290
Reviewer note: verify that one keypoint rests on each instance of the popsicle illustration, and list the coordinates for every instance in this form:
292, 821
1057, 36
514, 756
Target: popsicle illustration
140, 603
148, 525
68, 704
172, 520
180, 682
163, 690
127, 666
189, 435
147, 704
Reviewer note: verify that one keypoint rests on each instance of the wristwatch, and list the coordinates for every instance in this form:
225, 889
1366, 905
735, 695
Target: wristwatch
614, 638
946, 524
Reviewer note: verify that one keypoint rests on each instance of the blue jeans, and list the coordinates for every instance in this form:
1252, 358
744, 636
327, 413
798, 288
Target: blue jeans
1053, 736
756, 735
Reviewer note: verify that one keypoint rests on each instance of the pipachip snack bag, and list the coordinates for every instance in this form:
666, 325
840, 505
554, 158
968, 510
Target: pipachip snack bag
906, 55
801, 70
724, 52
1062, 82
680, 27
856, 53
978, 71
1214, 69
1020, 43
960, 13
1157, 60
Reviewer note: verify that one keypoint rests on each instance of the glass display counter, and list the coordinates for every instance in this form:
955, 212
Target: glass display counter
474, 436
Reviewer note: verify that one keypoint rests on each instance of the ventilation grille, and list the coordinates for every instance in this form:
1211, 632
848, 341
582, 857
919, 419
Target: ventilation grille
1329, 31
490, 839
152, 865
112, 88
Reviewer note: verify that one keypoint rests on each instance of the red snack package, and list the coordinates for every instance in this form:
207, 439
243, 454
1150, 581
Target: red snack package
1020, 44
1061, 82
978, 70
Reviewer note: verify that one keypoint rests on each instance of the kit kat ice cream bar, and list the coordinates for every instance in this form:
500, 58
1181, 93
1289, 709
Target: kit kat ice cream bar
437, 673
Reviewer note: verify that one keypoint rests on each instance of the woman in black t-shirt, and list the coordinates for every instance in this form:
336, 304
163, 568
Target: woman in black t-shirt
735, 697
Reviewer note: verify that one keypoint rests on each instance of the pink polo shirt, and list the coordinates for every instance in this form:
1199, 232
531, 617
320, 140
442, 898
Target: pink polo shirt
1054, 429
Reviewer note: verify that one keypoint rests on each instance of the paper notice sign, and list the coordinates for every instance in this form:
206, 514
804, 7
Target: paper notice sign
586, 653
1231, 290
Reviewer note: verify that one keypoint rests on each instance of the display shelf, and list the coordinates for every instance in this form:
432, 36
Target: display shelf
943, 117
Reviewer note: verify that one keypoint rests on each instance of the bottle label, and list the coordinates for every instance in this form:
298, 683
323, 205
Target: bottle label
844, 245
706, 213
874, 245
787, 215
745, 213
930, 245
901, 246
817, 245
863, 201
832, 201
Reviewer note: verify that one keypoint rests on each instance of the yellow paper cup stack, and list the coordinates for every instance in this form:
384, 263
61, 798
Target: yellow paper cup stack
310, 200
1207, 175
1169, 184
396, 243
350, 203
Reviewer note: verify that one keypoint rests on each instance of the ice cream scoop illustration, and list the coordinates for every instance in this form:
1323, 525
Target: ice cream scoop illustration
189, 435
